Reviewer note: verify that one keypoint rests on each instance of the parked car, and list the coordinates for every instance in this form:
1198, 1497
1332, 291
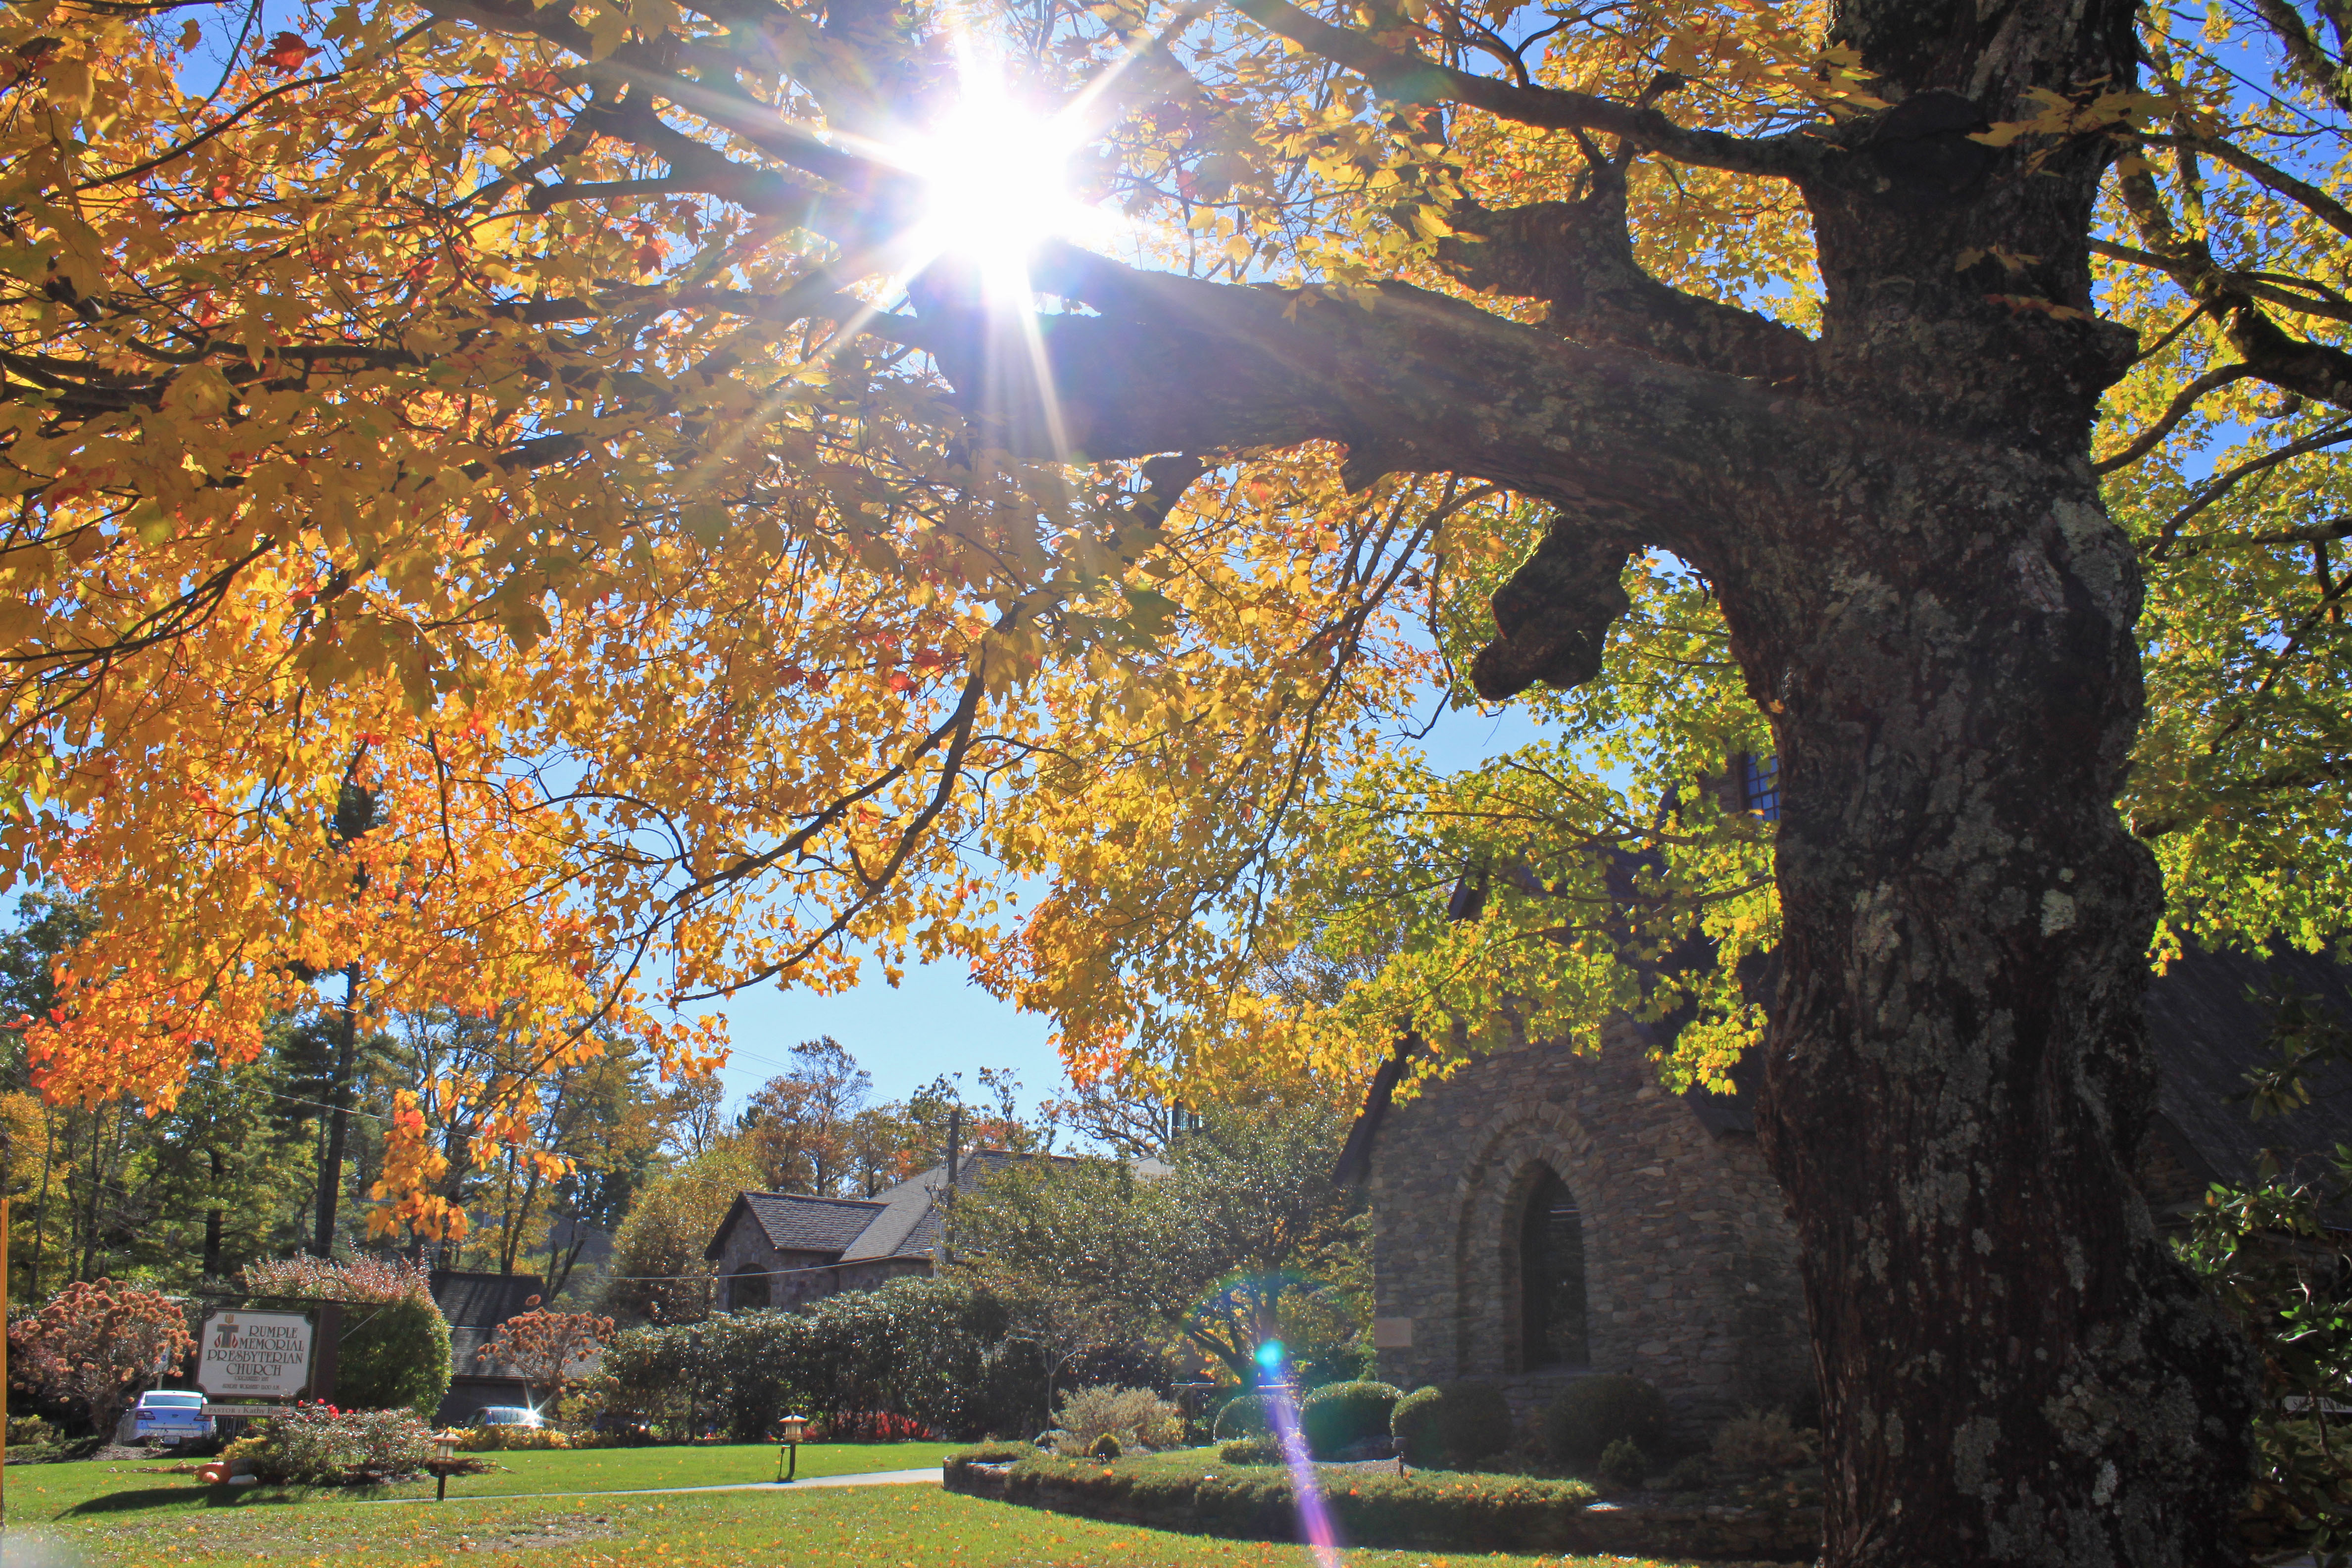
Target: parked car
170, 1415
507, 1415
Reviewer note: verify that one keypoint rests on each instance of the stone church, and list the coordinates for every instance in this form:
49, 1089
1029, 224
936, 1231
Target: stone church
1540, 1216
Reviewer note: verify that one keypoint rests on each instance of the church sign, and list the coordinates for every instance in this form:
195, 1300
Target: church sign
255, 1355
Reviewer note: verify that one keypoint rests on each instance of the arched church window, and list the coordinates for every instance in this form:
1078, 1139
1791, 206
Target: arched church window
1760, 785
1551, 1277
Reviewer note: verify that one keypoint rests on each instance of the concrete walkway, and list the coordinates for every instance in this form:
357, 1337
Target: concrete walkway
870, 1478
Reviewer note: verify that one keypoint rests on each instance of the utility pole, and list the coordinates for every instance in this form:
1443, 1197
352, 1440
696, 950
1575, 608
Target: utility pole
947, 1207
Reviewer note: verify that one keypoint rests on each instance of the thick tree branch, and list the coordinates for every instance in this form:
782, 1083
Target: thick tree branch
1416, 79
2314, 370
1407, 380
2187, 399
1553, 615
2305, 55
1578, 257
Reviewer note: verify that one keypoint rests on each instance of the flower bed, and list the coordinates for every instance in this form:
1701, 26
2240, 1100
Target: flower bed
1196, 1492
317, 1444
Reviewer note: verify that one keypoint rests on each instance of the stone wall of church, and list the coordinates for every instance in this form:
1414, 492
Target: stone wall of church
775, 1279
1690, 1260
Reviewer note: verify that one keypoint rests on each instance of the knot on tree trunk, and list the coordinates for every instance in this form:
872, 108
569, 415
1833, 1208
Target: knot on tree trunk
1553, 615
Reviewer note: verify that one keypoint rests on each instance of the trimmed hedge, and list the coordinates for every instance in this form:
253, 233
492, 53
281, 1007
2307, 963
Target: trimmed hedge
1193, 1493
926, 1350
1339, 1415
1454, 1425
1493, 1512
1593, 1413
1243, 1416
395, 1357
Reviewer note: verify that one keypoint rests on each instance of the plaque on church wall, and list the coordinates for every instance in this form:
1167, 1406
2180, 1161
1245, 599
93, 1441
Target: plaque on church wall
1392, 1333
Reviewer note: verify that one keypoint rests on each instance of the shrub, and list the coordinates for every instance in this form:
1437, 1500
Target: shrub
514, 1439
97, 1346
1137, 1416
870, 1427
1243, 1416
395, 1348
544, 1348
1760, 1440
31, 1432
1250, 1451
1338, 1414
1593, 1412
1105, 1447
1622, 1463
1455, 1425
395, 1357
1691, 1474
1485, 1512
317, 1444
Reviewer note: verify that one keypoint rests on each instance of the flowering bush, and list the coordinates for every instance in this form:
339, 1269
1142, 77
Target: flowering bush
97, 1344
515, 1439
870, 1426
318, 1444
310, 1278
545, 1348
1136, 1417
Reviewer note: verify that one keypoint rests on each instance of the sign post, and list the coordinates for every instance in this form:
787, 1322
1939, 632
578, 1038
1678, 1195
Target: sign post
255, 1355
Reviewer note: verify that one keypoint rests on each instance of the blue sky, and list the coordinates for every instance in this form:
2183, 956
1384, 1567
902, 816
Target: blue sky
935, 1021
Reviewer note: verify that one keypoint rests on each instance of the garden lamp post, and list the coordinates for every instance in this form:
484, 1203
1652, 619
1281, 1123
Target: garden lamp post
444, 1460
791, 1427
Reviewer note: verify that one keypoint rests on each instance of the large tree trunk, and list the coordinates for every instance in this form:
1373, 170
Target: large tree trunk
2013, 1367
1934, 609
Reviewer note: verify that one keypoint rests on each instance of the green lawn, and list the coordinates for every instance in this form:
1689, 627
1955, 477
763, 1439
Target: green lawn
865, 1527
52, 1491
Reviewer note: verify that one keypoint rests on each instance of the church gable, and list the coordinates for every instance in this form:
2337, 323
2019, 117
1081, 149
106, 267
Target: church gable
1541, 1214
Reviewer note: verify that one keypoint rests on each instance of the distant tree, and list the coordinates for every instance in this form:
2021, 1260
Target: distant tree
613, 1146
798, 1125
658, 1269
691, 1112
1246, 1238
1122, 1115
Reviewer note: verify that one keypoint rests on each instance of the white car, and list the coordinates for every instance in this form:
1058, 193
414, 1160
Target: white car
174, 1415
507, 1415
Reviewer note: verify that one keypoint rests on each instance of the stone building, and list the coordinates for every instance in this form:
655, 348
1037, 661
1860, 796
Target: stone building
785, 1249
1541, 1215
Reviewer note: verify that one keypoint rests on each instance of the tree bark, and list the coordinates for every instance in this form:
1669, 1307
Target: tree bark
339, 1119
215, 1216
1930, 604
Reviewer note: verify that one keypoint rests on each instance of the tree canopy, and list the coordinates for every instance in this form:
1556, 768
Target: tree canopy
518, 413
562, 423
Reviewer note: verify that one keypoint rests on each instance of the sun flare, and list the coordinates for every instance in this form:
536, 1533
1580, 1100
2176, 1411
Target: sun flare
996, 181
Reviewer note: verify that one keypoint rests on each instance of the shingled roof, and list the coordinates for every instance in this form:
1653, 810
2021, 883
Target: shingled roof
795, 1222
903, 1222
